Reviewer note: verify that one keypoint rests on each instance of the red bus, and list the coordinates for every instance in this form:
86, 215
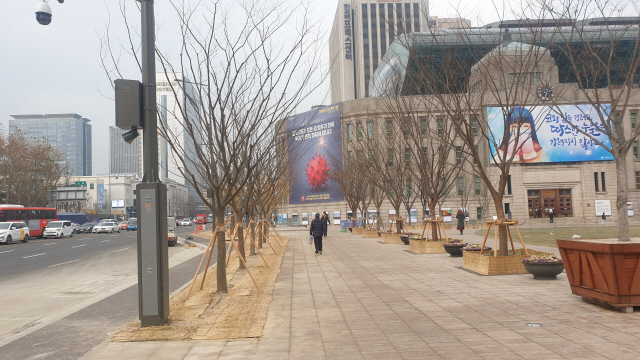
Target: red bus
35, 217
201, 219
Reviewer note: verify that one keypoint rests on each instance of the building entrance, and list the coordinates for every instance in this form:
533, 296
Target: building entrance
557, 199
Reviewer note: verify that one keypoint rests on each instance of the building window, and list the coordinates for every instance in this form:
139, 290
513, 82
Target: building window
595, 179
91, 186
349, 132
350, 157
440, 121
389, 128
390, 18
634, 120
475, 162
359, 130
360, 156
460, 186
474, 125
423, 126
604, 184
479, 213
477, 185
512, 76
637, 180
508, 184
405, 128
409, 188
425, 153
407, 155
370, 130
459, 154
134, 202
390, 157
383, 32
134, 192
635, 150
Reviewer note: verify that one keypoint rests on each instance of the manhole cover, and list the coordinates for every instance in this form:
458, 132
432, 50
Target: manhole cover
533, 325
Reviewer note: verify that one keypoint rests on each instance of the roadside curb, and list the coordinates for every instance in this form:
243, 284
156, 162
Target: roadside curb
189, 242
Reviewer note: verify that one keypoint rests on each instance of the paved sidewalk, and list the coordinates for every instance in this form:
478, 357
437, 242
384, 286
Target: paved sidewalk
367, 300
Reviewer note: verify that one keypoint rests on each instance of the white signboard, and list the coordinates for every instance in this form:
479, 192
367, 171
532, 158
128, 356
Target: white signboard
414, 216
629, 208
336, 214
603, 206
305, 220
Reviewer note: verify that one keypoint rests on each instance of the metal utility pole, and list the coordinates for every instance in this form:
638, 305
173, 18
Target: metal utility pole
153, 258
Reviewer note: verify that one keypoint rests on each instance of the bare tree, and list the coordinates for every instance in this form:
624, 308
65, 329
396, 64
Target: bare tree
244, 67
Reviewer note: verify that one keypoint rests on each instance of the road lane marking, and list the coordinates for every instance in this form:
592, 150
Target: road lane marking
49, 244
120, 249
30, 256
104, 240
64, 263
2, 252
73, 247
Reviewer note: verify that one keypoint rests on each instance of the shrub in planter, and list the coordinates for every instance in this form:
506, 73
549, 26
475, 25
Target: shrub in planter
476, 247
454, 248
543, 266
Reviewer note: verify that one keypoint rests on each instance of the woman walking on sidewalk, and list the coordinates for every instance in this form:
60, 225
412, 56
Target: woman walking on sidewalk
318, 229
460, 217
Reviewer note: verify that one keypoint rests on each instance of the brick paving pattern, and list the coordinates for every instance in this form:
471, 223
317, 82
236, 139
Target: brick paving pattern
365, 300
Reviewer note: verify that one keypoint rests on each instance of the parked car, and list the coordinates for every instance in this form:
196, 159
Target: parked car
172, 234
132, 225
106, 227
75, 227
10, 231
123, 225
58, 229
186, 222
85, 228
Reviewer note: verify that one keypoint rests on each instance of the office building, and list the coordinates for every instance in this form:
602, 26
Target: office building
69, 134
124, 157
361, 34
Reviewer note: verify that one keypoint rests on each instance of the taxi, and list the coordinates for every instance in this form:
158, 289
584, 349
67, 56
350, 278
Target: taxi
13, 231
123, 225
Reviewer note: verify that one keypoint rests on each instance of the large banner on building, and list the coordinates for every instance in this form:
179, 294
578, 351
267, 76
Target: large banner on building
314, 143
545, 136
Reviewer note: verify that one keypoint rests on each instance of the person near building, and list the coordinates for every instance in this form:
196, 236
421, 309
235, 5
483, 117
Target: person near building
539, 211
604, 219
460, 217
318, 229
325, 217
552, 214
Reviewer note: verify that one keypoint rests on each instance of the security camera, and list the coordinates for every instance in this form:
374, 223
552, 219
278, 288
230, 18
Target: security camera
43, 13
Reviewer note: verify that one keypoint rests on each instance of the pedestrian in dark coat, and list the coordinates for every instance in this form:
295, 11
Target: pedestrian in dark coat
325, 217
539, 212
552, 214
460, 216
318, 229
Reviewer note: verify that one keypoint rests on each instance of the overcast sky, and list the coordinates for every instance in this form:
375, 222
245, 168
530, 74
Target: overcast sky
56, 68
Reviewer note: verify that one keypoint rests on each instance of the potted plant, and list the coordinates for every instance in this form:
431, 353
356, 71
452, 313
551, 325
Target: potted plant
476, 247
405, 237
454, 247
543, 266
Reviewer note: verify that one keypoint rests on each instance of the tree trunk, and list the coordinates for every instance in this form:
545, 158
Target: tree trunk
398, 227
222, 247
252, 247
354, 215
621, 200
434, 228
378, 218
503, 240
241, 245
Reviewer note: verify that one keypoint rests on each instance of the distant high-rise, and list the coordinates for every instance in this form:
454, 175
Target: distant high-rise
124, 158
361, 34
70, 134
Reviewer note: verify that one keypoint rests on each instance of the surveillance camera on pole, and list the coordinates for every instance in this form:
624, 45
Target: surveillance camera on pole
43, 12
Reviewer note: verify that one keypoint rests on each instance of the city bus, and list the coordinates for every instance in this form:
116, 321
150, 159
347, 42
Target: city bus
35, 217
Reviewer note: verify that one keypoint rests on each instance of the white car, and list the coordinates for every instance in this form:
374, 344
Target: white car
58, 229
106, 227
185, 222
10, 231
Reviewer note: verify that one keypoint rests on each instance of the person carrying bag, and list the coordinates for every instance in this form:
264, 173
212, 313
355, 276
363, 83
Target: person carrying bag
318, 229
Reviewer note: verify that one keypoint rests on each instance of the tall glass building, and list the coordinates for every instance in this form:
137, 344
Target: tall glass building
70, 134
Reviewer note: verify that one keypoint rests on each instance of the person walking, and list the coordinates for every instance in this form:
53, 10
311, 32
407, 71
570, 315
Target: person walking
325, 216
552, 214
318, 229
460, 217
604, 219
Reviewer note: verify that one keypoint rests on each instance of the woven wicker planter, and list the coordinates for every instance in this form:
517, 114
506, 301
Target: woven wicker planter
606, 272
487, 264
426, 247
369, 234
390, 238
358, 231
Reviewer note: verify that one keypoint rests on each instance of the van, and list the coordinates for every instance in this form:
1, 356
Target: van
173, 235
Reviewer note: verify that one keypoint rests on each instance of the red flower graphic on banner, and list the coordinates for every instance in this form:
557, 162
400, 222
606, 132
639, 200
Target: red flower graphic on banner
318, 171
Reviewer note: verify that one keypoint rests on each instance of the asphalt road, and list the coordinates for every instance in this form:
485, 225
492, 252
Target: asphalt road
20, 258
73, 336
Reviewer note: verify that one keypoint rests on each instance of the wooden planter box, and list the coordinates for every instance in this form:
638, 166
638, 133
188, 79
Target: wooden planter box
358, 231
370, 234
606, 272
426, 247
390, 238
487, 264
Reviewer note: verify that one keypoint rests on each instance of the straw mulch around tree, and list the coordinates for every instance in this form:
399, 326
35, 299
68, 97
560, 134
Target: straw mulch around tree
207, 315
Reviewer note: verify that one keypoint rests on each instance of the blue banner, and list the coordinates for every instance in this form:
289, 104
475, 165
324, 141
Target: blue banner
314, 141
545, 135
